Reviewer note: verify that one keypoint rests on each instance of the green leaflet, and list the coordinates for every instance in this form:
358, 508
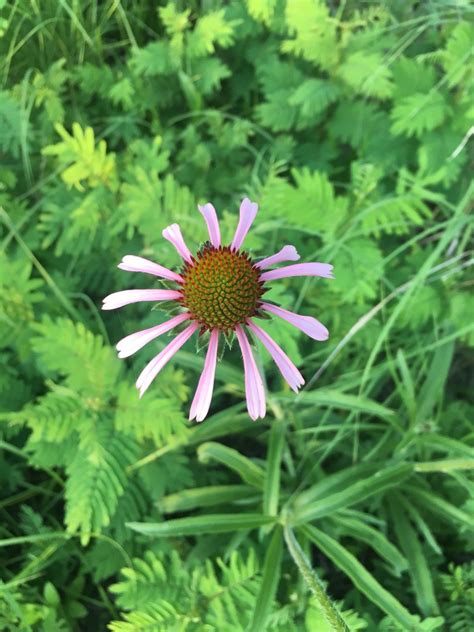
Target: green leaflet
418, 113
211, 523
204, 497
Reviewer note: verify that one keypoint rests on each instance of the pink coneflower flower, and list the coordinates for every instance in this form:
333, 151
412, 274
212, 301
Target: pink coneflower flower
219, 290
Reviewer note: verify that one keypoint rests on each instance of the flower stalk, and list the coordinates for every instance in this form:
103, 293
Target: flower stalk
328, 609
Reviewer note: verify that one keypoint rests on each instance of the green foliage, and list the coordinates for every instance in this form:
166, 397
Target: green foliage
351, 124
314, 32
457, 52
10, 122
96, 481
418, 113
90, 163
163, 593
458, 593
367, 74
63, 346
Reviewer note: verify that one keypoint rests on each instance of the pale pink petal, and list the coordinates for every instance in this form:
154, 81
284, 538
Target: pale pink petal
248, 210
125, 297
210, 215
173, 234
300, 269
131, 263
283, 362
203, 395
254, 390
132, 343
152, 369
287, 253
311, 327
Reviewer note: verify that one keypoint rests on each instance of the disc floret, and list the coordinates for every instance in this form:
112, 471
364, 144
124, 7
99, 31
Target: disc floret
221, 288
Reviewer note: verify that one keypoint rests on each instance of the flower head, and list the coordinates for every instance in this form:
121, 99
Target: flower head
219, 290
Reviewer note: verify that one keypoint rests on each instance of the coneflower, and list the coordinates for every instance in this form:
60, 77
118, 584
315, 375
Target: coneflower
219, 290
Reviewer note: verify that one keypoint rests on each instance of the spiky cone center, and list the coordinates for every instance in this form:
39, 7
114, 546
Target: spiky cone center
221, 288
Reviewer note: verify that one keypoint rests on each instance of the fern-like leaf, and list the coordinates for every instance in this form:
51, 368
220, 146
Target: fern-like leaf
419, 113
93, 488
70, 350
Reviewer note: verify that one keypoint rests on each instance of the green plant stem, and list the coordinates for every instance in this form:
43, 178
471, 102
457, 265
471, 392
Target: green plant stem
313, 582
5, 218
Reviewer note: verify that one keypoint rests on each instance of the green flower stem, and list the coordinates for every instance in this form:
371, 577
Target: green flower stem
328, 609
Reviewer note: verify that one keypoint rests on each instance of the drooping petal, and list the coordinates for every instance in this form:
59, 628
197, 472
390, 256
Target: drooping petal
132, 343
248, 210
173, 234
283, 362
152, 369
300, 269
210, 215
125, 297
131, 263
254, 391
203, 395
309, 325
287, 253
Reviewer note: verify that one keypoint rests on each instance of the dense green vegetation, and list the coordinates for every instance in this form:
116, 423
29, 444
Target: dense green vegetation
349, 123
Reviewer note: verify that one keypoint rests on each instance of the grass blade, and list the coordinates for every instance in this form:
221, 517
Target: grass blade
270, 579
204, 497
374, 538
338, 399
248, 471
271, 490
391, 476
201, 525
418, 566
360, 577
434, 504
